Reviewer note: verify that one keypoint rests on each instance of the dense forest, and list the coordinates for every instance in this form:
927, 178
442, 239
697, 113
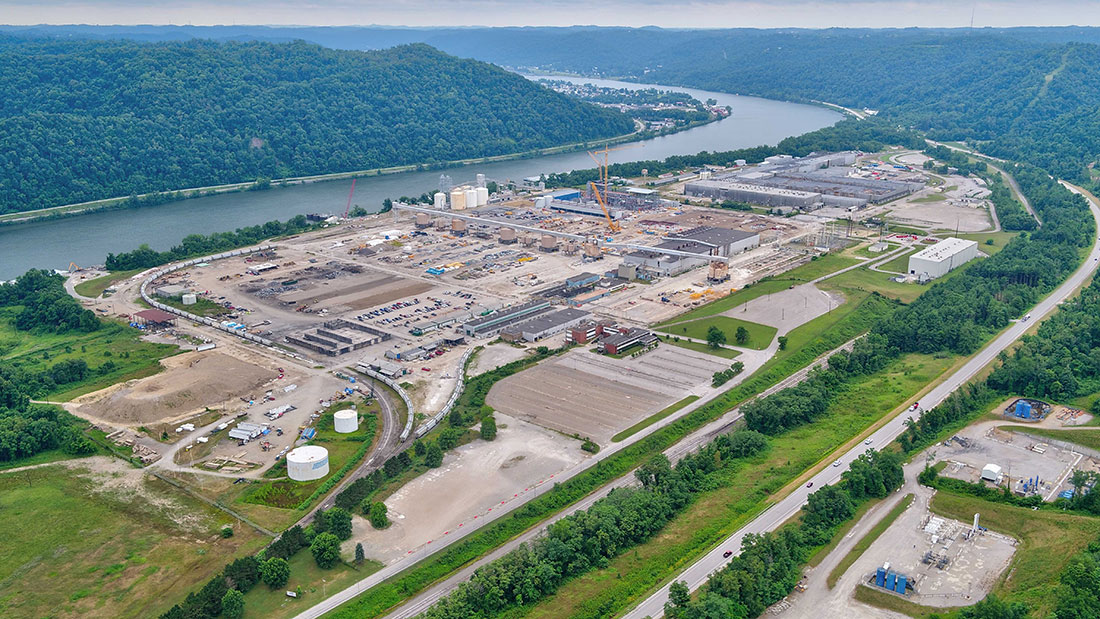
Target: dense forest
83, 120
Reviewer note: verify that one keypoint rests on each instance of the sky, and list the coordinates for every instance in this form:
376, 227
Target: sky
666, 13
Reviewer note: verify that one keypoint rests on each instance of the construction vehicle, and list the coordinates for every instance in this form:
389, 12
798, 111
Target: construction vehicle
601, 169
350, 194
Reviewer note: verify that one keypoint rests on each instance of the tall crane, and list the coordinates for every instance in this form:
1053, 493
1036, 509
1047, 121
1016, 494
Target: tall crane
601, 171
350, 194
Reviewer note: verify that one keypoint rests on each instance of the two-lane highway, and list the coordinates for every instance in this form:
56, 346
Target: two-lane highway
696, 575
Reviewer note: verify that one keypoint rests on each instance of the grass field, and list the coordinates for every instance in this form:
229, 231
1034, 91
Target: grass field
316, 585
760, 336
1000, 239
725, 353
1085, 437
652, 419
743, 493
94, 287
1048, 540
899, 263
113, 342
865, 542
813, 269
111, 545
201, 307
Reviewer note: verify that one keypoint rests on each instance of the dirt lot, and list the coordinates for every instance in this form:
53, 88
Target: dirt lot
191, 381
596, 396
473, 479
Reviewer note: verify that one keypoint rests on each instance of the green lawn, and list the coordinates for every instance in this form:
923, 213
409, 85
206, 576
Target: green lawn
94, 287
106, 548
1048, 540
865, 542
316, 585
652, 419
743, 492
1000, 239
725, 353
932, 197
201, 307
760, 336
113, 343
899, 263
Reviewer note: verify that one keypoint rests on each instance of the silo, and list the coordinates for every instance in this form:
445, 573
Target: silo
424, 220
190, 299
507, 236
307, 463
482, 196
458, 199
548, 244
471, 198
480, 180
440, 200
346, 421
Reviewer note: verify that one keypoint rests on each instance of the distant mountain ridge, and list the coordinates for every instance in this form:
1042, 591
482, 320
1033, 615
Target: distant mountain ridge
85, 119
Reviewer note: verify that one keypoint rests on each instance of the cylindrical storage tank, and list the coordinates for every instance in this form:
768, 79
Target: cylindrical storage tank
458, 226
423, 220
482, 196
190, 299
471, 198
440, 199
507, 236
307, 463
549, 242
346, 421
458, 199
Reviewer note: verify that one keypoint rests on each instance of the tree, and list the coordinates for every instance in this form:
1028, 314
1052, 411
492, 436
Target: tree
378, 517
993, 607
715, 337
741, 336
275, 572
782, 342
233, 604
360, 556
419, 449
326, 550
678, 594
488, 428
243, 573
338, 522
434, 457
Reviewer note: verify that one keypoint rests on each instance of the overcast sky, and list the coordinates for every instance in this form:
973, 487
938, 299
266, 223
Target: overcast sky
685, 14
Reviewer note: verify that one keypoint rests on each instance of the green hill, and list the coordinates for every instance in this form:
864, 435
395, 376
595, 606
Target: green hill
84, 120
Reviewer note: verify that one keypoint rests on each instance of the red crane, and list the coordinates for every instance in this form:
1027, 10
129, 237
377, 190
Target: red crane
350, 194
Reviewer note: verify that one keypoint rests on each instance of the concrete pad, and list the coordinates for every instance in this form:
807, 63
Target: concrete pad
787, 309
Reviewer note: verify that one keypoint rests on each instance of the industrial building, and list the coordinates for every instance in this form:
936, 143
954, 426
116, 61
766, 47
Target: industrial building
171, 291
582, 280
941, 258
703, 241
590, 331
716, 189
626, 339
547, 325
336, 337
488, 326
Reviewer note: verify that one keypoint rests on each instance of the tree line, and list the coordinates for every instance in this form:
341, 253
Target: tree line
86, 120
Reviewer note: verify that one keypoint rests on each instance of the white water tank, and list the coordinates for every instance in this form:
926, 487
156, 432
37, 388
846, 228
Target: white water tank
307, 463
458, 199
440, 199
190, 299
471, 198
482, 196
346, 421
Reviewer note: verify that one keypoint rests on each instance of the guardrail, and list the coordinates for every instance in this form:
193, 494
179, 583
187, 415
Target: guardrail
193, 317
434, 421
400, 392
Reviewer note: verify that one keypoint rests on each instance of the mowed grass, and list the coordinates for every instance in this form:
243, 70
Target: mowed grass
810, 271
1048, 540
1085, 437
652, 419
316, 585
92, 288
865, 542
760, 336
113, 342
743, 491
899, 263
1000, 239
725, 353
77, 548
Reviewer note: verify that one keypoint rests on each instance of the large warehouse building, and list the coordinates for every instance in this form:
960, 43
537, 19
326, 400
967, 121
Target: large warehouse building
941, 258
704, 241
753, 194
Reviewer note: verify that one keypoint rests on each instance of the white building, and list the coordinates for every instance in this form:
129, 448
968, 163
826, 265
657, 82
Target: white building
941, 258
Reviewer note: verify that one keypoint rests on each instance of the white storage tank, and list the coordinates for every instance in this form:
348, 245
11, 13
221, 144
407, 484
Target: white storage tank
440, 200
307, 463
482, 196
458, 199
190, 299
471, 198
346, 421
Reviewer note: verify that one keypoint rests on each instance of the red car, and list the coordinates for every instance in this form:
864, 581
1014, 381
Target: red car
426, 369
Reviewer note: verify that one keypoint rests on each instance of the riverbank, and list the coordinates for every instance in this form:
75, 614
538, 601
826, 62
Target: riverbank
163, 197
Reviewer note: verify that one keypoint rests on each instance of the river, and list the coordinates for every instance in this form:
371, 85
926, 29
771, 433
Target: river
87, 239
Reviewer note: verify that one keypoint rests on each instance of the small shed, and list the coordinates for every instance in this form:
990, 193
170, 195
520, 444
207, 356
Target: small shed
155, 318
991, 472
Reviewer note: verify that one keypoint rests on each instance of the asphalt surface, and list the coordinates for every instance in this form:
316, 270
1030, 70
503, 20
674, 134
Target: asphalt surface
696, 575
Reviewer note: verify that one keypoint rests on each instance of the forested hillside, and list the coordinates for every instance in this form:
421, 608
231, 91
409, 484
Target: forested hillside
83, 120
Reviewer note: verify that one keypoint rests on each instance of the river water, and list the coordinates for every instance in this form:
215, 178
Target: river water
87, 239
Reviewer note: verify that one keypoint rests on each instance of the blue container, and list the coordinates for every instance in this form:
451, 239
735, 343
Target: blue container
890, 580
901, 584
1023, 409
880, 577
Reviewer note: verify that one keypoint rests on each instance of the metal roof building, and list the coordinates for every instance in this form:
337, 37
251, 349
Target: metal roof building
941, 258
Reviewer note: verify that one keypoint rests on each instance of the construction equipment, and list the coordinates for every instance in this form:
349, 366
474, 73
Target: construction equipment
74, 267
350, 194
601, 170
614, 227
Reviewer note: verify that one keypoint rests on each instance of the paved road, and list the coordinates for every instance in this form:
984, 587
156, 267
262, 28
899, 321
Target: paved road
696, 575
1008, 177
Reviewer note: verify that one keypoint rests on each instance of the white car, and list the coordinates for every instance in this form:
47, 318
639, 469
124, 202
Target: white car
867, 442
837, 463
